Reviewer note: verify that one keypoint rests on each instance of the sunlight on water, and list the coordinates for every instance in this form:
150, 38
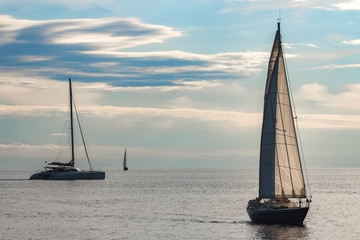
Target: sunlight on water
169, 204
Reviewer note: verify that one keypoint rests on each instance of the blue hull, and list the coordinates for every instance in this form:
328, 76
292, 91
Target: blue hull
82, 175
292, 216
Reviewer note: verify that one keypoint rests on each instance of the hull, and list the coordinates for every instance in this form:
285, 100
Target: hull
82, 175
41, 176
293, 216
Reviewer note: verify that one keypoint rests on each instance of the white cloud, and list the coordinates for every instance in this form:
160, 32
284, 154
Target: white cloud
106, 34
352, 42
240, 119
348, 5
226, 119
346, 101
10, 27
24, 88
59, 134
30, 111
329, 121
104, 64
243, 63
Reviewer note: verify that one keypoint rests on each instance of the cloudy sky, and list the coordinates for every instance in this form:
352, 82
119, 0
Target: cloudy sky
179, 83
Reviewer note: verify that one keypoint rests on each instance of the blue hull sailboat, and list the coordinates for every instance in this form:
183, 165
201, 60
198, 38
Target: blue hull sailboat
282, 193
68, 171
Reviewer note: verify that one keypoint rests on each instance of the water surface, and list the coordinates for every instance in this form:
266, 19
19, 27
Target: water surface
169, 204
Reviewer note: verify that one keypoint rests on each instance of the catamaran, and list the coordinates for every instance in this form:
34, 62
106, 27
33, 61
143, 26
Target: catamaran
282, 196
68, 171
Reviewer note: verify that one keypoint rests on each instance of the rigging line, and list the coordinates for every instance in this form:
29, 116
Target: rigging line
82, 136
296, 123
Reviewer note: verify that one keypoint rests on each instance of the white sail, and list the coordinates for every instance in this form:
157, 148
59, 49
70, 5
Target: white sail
281, 173
125, 161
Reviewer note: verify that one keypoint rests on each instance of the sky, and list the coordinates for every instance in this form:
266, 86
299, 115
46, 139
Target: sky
180, 84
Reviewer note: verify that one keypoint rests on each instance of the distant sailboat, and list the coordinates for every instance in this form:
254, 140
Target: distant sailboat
68, 171
125, 162
282, 193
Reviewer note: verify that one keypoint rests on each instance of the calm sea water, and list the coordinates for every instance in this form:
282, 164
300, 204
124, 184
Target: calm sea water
169, 204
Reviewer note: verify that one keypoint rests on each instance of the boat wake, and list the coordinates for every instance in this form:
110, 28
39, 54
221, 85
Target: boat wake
14, 179
211, 221
205, 219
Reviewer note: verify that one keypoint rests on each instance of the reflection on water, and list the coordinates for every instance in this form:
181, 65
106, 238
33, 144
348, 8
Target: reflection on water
199, 204
276, 231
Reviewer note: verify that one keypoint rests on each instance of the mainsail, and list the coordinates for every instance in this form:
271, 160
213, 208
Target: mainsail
281, 173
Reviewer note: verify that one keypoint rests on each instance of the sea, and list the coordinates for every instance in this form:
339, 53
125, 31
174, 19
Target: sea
169, 204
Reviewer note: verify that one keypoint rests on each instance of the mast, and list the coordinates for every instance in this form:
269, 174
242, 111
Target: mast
72, 161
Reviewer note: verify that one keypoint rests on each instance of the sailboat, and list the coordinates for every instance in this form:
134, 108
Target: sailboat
68, 171
125, 162
282, 193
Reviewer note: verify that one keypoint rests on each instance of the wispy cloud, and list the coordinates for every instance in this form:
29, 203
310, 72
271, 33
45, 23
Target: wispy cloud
20, 145
255, 5
59, 134
230, 119
329, 121
336, 66
107, 34
27, 58
94, 48
292, 45
240, 119
243, 63
23, 88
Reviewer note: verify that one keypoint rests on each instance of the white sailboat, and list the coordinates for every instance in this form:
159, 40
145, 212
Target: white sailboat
282, 192
125, 162
68, 171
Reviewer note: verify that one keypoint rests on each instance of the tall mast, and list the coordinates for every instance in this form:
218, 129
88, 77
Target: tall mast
72, 161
